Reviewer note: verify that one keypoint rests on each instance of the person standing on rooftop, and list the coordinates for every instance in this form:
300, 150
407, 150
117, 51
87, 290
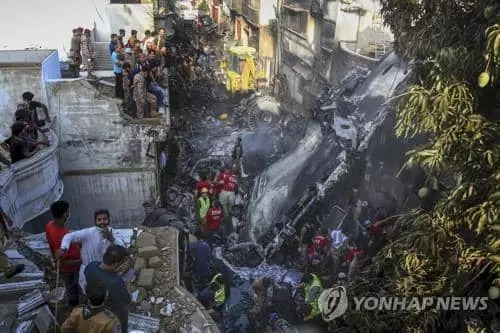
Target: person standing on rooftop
88, 52
116, 57
112, 43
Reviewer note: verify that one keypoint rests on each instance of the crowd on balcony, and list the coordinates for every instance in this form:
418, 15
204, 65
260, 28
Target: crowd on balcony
29, 131
137, 64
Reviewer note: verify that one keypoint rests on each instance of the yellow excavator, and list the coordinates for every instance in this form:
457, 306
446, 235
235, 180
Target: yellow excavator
242, 74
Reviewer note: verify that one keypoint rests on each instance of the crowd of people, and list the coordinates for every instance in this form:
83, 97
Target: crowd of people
29, 131
324, 256
137, 66
92, 262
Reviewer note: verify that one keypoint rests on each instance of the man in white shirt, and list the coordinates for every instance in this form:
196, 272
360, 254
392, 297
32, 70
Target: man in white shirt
94, 241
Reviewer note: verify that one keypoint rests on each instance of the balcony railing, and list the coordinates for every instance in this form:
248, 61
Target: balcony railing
28, 187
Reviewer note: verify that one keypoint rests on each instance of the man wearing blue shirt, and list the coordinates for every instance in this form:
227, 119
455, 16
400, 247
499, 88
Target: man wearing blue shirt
113, 43
117, 69
107, 271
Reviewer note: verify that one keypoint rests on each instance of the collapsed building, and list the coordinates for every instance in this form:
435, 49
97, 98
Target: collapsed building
161, 304
294, 167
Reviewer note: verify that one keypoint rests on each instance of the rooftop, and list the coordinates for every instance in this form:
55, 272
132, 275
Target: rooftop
17, 57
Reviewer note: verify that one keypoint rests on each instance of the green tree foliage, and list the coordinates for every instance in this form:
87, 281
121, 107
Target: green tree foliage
454, 103
203, 7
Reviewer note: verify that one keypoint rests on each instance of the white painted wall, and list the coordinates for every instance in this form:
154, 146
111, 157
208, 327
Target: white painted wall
349, 24
48, 23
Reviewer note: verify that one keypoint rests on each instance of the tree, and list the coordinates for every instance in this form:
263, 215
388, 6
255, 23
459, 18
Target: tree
454, 104
203, 7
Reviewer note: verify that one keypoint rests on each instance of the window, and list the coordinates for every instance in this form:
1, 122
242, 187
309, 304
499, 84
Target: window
328, 35
296, 20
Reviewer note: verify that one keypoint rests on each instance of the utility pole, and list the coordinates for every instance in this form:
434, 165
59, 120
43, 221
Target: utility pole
278, 12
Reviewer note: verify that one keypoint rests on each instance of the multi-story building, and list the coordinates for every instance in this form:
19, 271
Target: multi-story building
253, 24
323, 39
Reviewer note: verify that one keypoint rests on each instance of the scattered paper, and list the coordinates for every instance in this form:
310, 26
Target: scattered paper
135, 296
167, 310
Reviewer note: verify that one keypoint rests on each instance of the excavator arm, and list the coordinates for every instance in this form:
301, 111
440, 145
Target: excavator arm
248, 74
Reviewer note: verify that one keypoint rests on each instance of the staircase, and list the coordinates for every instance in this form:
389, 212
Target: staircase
102, 57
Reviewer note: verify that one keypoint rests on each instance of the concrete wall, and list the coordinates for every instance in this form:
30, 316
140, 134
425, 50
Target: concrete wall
266, 42
51, 70
103, 161
13, 82
329, 65
353, 28
29, 186
298, 46
122, 193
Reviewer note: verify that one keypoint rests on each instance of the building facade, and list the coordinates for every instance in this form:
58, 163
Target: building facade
252, 24
321, 40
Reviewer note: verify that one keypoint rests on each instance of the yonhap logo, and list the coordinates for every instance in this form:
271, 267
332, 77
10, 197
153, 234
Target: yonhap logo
333, 303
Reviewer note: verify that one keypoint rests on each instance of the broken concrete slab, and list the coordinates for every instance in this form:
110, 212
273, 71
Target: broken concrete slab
154, 262
145, 239
139, 264
30, 301
31, 271
16, 289
146, 278
148, 252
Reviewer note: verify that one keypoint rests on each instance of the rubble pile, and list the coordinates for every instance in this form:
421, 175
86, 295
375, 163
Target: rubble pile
154, 287
159, 302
